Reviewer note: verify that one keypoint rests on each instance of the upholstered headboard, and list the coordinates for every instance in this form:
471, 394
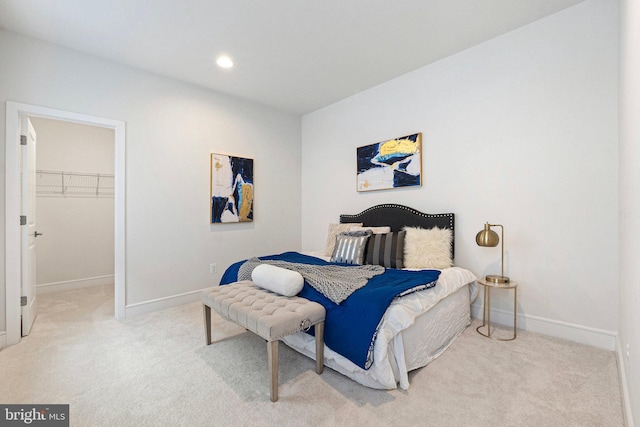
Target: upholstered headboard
399, 216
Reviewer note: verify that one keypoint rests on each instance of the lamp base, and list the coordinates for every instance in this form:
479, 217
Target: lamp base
497, 279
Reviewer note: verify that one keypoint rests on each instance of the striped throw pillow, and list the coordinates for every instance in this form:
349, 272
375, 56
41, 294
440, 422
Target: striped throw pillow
386, 250
350, 247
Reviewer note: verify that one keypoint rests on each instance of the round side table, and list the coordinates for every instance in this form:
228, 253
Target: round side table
486, 309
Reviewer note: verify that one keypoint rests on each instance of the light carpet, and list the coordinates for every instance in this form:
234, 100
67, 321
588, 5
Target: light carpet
154, 370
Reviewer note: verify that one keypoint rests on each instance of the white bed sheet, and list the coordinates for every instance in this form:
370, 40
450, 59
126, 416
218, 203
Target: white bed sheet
415, 330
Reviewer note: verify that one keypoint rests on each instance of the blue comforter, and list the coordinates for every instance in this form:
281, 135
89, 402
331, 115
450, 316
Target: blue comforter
351, 327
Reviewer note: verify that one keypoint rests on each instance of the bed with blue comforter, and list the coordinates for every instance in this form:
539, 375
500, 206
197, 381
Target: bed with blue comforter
399, 321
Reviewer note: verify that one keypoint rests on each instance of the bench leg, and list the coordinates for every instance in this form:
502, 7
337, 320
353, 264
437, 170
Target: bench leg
272, 350
319, 331
206, 311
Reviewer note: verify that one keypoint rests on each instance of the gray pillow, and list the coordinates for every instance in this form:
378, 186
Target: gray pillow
350, 247
386, 250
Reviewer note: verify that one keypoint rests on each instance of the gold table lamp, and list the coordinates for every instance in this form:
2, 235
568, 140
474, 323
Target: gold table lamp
489, 238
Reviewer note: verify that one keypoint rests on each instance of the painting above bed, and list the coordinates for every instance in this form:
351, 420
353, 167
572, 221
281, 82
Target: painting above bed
231, 189
390, 164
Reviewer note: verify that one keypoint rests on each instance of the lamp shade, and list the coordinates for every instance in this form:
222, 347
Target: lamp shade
487, 237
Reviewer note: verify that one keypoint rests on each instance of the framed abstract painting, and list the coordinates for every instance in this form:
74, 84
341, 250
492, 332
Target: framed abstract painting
389, 164
231, 189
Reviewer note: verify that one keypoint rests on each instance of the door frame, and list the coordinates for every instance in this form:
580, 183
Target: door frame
14, 112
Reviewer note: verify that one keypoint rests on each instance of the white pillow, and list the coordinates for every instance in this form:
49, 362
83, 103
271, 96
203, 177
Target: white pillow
374, 230
334, 230
277, 279
427, 248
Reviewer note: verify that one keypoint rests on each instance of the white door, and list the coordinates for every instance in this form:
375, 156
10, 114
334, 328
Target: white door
28, 230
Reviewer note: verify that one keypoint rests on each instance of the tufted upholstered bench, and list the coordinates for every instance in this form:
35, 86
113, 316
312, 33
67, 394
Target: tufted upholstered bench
268, 315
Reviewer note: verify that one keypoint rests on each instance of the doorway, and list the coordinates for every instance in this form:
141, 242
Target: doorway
74, 195
14, 114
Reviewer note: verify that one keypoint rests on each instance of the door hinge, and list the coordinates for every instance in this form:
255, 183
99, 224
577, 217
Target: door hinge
23, 220
23, 139
23, 301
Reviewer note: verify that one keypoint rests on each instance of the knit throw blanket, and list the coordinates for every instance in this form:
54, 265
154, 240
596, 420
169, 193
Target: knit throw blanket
333, 281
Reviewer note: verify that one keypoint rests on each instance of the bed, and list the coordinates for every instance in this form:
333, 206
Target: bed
417, 326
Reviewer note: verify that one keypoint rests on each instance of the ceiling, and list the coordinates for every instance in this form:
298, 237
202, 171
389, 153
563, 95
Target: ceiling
294, 55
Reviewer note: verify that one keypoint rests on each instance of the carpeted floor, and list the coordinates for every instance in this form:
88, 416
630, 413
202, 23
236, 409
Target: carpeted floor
154, 370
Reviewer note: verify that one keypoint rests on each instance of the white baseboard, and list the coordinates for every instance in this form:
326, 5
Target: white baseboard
568, 331
3, 340
162, 303
624, 390
75, 284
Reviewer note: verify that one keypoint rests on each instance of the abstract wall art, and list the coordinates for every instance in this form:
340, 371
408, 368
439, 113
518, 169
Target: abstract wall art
390, 164
231, 189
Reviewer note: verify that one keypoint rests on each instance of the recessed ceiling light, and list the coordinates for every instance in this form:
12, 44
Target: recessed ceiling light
224, 62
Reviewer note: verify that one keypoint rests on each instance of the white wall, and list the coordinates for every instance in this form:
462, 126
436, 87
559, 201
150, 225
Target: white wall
520, 131
630, 202
171, 128
77, 244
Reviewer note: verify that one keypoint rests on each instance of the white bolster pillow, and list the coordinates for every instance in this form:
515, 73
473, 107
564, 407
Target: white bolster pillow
277, 279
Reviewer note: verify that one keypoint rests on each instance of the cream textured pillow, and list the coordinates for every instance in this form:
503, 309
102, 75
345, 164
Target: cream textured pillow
427, 248
334, 230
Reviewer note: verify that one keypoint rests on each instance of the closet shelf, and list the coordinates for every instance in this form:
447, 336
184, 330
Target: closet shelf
59, 183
